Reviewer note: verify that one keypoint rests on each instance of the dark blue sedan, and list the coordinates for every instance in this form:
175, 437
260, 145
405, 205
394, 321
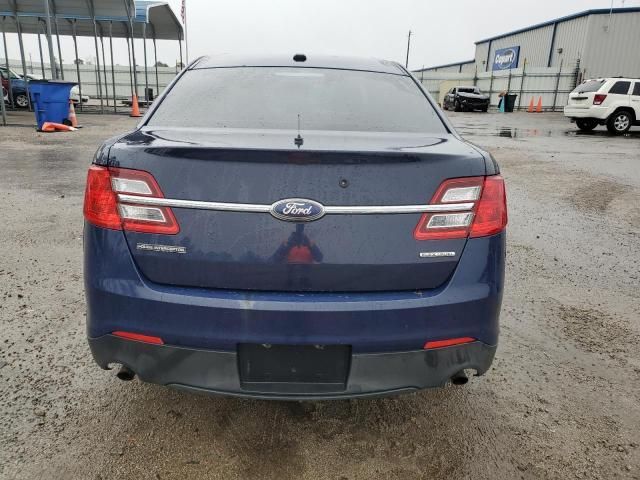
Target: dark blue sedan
296, 228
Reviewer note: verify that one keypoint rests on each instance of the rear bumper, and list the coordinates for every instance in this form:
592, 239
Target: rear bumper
595, 112
216, 372
119, 298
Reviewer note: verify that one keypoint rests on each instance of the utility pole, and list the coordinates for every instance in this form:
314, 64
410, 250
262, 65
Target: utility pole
408, 48
52, 59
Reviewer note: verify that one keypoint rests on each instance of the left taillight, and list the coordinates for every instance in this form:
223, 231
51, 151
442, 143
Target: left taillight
486, 215
104, 208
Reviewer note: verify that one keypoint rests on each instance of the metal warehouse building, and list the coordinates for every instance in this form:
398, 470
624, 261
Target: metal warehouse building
596, 43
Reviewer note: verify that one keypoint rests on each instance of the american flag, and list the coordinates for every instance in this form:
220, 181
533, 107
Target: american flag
183, 11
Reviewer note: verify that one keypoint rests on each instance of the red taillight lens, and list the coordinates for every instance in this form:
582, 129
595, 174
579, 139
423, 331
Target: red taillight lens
104, 208
491, 212
599, 98
138, 337
447, 343
100, 204
486, 213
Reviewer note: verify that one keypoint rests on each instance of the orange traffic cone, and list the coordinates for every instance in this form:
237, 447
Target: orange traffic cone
56, 127
539, 107
72, 115
530, 109
135, 110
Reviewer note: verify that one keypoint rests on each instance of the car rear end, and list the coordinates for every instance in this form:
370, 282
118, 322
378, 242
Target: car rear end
589, 100
297, 229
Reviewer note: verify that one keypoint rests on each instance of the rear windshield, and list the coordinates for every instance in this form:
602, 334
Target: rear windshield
273, 97
589, 86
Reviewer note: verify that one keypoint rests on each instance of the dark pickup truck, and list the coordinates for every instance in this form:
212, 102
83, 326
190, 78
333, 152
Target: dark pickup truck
466, 98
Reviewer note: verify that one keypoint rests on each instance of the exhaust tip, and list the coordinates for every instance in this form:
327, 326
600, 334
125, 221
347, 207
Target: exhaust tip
125, 374
460, 378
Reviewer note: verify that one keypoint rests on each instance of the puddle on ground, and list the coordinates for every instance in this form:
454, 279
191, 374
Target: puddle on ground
515, 132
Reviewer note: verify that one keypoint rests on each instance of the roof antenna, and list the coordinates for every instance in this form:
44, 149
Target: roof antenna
299, 140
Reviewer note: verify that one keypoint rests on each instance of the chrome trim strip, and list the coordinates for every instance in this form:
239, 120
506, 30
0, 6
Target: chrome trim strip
220, 206
386, 209
329, 210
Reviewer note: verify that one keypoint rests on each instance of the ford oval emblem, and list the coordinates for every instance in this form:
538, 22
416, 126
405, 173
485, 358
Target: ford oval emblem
297, 210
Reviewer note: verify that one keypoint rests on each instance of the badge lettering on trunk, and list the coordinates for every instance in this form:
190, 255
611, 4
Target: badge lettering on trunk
297, 210
437, 254
148, 247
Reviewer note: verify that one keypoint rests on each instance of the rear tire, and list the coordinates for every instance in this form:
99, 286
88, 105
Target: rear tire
21, 100
586, 124
620, 122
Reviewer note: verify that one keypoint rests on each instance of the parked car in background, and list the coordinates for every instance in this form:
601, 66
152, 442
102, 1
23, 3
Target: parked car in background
614, 102
250, 243
466, 98
18, 87
74, 95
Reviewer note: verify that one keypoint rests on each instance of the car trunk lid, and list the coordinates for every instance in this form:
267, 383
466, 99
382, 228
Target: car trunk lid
253, 250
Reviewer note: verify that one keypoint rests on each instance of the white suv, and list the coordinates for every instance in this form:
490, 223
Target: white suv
614, 102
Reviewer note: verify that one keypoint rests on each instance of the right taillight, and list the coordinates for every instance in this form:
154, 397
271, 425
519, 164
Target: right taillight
103, 206
491, 211
485, 213
598, 98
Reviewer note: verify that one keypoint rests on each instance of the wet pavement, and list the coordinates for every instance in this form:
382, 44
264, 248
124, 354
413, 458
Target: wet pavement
561, 401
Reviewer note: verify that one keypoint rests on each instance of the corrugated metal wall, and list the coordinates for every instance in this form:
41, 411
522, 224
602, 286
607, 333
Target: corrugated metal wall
612, 50
481, 55
453, 68
534, 46
571, 36
468, 68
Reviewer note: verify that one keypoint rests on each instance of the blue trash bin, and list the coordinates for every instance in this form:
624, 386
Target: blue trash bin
50, 99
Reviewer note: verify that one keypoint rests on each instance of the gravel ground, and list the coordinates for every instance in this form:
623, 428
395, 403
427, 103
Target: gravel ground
561, 401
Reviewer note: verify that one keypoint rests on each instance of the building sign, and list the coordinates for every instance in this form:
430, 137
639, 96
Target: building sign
506, 58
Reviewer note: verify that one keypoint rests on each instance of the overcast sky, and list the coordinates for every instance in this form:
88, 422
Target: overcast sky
443, 31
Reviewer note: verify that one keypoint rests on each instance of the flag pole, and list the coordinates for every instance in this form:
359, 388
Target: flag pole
186, 37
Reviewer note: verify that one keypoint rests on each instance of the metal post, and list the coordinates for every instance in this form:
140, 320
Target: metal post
524, 75
186, 32
24, 62
129, 61
181, 63
6, 60
555, 95
133, 47
52, 59
155, 59
4, 112
113, 73
406, 65
490, 87
55, 23
95, 41
146, 68
75, 46
41, 55
104, 67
